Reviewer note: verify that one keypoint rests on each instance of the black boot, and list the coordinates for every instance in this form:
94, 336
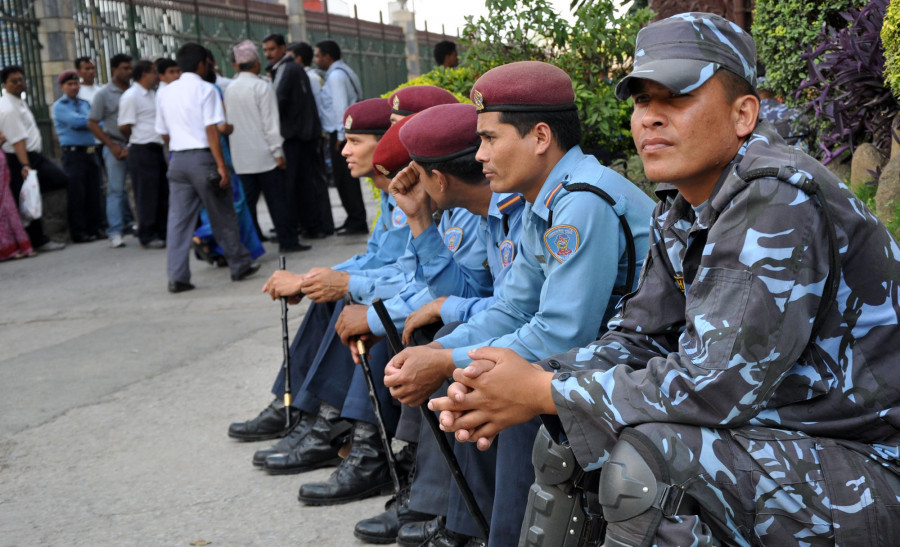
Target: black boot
318, 448
415, 533
288, 442
268, 425
384, 527
363, 474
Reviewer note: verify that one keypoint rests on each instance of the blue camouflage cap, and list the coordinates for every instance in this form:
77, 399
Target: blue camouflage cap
682, 52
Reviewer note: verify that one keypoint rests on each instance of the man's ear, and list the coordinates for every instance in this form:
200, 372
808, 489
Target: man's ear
441, 179
746, 111
543, 137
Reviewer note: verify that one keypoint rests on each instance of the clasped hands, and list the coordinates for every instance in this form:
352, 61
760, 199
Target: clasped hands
497, 390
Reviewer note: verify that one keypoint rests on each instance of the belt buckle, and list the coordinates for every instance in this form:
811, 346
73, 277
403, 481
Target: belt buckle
90, 149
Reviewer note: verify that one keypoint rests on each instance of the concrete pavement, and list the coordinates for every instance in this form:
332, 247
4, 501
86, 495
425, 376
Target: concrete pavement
115, 398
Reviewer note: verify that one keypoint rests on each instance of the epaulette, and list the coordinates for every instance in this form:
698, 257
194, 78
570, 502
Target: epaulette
510, 204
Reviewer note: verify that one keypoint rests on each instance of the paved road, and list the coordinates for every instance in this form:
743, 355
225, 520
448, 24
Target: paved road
115, 397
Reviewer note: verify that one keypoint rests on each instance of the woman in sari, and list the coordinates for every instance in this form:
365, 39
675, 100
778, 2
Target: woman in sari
14, 242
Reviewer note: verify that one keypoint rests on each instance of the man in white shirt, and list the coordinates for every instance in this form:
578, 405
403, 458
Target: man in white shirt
87, 73
23, 150
167, 70
341, 89
146, 160
256, 143
188, 114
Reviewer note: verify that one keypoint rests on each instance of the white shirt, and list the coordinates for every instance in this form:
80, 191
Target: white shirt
223, 82
341, 89
184, 109
315, 83
253, 111
137, 108
87, 92
17, 123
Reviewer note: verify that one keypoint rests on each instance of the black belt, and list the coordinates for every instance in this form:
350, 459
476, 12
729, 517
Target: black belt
89, 149
190, 150
151, 144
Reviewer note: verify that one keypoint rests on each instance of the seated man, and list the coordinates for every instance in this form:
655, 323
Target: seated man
530, 138
748, 391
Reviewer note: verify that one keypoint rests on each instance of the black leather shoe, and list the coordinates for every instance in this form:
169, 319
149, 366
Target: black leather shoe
295, 248
178, 286
447, 538
268, 425
316, 235
384, 527
251, 269
359, 230
363, 473
288, 442
318, 448
414, 534
83, 238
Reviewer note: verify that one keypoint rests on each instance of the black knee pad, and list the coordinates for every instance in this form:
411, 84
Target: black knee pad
554, 515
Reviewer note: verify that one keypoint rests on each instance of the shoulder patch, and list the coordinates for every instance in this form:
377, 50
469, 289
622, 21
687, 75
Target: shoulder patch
507, 252
510, 203
552, 195
453, 238
398, 217
562, 241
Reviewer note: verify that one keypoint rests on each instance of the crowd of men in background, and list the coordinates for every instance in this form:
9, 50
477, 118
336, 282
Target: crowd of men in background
282, 117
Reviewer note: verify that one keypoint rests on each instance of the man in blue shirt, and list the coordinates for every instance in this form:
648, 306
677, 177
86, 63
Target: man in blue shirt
70, 117
529, 144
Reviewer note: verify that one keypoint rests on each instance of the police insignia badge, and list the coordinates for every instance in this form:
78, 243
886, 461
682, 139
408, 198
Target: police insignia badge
381, 169
398, 217
479, 100
396, 102
348, 124
453, 238
507, 252
562, 241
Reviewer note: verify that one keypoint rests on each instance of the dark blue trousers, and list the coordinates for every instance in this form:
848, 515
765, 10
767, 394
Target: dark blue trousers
358, 405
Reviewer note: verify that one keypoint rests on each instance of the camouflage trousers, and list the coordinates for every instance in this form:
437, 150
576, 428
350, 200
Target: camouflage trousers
762, 486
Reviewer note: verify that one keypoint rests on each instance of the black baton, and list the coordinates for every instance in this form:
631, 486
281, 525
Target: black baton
396, 346
376, 408
286, 347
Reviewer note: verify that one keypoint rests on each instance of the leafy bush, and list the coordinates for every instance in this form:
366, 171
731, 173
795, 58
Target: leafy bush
784, 29
846, 84
595, 51
457, 80
890, 37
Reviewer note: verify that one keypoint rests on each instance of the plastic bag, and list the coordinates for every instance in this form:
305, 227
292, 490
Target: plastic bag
30, 206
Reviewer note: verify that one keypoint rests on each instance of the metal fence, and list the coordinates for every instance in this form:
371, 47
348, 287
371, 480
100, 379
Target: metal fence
157, 28
19, 45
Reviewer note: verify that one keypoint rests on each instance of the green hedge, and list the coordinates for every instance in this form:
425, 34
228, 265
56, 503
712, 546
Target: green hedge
890, 36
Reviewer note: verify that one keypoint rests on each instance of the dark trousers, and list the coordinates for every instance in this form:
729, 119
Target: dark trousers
272, 185
84, 191
358, 404
323, 200
50, 177
147, 166
300, 175
348, 187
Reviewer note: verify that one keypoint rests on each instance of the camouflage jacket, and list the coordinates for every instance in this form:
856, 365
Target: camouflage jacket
790, 123
718, 332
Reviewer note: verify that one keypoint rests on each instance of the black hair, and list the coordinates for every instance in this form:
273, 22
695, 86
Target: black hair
118, 59
80, 61
563, 124
9, 71
465, 168
210, 75
735, 86
442, 49
163, 64
189, 57
275, 37
303, 51
329, 47
140, 68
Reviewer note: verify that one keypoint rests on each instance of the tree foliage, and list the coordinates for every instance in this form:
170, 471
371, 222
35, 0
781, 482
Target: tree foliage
785, 29
890, 37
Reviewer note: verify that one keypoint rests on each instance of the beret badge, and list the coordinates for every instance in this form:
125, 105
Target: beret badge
479, 100
348, 124
381, 169
396, 102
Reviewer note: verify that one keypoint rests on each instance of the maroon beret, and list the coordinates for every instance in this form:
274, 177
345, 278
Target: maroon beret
441, 133
67, 75
525, 86
417, 98
390, 154
372, 116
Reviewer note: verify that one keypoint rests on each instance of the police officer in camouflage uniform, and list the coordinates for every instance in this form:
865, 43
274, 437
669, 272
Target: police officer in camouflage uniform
747, 392
790, 123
